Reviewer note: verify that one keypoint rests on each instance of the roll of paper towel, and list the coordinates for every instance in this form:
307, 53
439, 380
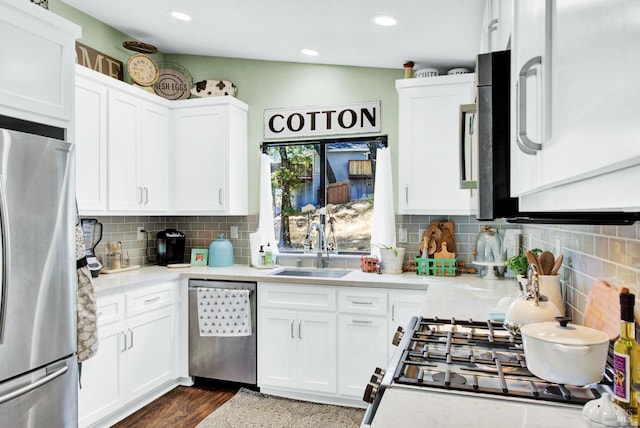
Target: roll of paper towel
255, 240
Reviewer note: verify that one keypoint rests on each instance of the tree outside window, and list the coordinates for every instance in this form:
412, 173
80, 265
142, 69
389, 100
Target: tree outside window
328, 182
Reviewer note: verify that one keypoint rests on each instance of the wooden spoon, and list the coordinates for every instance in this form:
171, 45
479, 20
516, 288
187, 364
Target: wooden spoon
556, 266
546, 261
533, 260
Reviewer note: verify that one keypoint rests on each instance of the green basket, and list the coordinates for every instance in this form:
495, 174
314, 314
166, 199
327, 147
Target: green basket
436, 267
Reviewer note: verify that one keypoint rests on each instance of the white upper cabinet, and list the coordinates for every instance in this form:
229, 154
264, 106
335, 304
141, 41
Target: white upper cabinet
137, 154
530, 92
37, 50
210, 156
428, 147
496, 26
91, 144
583, 116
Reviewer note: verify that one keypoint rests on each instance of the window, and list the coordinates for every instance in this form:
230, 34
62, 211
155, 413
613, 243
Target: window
323, 193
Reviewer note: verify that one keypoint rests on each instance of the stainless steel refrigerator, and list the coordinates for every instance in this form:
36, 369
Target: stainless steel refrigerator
38, 370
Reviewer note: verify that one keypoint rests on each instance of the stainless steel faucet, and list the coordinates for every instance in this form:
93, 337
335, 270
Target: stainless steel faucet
320, 245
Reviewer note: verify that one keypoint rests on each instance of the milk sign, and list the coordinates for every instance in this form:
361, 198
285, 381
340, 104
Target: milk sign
343, 119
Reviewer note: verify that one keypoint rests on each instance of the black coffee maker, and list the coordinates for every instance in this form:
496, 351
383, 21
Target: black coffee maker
170, 243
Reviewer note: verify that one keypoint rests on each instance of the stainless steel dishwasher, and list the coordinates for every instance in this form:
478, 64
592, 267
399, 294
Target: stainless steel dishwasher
223, 358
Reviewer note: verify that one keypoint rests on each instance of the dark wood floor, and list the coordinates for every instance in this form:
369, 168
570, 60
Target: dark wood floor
182, 407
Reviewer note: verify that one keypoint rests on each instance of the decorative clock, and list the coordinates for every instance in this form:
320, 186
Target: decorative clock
143, 70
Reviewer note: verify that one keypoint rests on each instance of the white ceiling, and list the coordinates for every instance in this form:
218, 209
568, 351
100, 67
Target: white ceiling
432, 33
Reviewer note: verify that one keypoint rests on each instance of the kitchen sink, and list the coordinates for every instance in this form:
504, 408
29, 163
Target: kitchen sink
313, 273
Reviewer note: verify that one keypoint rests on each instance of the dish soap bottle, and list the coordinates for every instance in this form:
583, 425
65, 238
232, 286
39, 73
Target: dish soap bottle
626, 358
268, 255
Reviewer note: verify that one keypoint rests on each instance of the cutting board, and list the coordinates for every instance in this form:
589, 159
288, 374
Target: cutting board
602, 310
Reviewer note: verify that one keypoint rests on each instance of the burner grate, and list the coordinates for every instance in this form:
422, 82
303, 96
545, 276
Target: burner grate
479, 357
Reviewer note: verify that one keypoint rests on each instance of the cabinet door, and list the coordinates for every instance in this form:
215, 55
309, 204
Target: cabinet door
316, 333
593, 117
91, 146
154, 156
201, 162
277, 348
36, 73
496, 27
530, 92
362, 346
102, 388
429, 180
124, 189
149, 352
402, 307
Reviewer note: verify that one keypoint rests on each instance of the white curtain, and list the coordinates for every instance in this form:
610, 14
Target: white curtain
383, 229
265, 223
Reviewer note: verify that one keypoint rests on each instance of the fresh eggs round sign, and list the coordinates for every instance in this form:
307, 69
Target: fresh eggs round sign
296, 122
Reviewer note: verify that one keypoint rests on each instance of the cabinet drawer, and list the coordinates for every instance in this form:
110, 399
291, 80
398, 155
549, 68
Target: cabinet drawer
295, 296
362, 302
110, 309
148, 299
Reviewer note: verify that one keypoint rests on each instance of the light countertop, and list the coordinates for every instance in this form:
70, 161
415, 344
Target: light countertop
465, 296
356, 278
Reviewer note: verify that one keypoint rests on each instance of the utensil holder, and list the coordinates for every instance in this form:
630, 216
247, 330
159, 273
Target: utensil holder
549, 285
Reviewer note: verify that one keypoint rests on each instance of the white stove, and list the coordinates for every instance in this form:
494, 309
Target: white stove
457, 372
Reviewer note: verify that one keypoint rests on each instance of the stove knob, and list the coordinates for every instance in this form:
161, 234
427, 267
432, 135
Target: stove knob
370, 392
397, 337
372, 387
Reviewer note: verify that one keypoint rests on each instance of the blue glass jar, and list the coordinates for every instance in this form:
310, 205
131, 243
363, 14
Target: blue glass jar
220, 252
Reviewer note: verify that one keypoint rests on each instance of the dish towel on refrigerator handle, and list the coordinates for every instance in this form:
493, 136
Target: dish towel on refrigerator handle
224, 312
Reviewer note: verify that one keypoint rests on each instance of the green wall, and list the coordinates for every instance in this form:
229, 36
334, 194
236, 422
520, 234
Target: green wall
265, 84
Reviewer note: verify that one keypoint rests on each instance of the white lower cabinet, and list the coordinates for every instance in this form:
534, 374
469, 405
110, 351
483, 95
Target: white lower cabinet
402, 306
101, 389
135, 355
297, 348
362, 346
326, 341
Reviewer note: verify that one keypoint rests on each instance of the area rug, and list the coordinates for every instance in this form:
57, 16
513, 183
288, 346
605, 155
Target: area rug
255, 410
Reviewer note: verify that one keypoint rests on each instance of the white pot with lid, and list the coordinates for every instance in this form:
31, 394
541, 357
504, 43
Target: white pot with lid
552, 350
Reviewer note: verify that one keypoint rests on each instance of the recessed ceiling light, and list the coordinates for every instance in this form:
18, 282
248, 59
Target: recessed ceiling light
385, 20
310, 52
180, 15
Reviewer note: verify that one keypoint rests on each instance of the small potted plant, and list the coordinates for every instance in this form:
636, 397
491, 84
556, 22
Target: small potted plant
517, 265
391, 258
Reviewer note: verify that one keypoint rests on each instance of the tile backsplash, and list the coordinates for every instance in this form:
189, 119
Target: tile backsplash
199, 232
611, 253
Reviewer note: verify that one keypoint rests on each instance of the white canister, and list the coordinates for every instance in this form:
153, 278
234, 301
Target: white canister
426, 72
549, 285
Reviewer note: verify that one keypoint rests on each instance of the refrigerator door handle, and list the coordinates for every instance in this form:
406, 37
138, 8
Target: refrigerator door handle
33, 386
4, 256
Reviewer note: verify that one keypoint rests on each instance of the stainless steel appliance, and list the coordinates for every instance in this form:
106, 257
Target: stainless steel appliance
170, 243
493, 152
471, 359
92, 232
231, 359
38, 369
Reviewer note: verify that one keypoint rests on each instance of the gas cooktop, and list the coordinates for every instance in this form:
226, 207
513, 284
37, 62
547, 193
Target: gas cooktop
472, 357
